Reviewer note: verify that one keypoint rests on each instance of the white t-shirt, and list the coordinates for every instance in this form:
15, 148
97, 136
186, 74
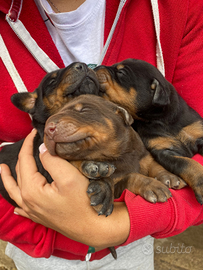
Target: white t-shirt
78, 35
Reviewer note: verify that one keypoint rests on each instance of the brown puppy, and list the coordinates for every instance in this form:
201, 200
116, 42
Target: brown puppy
92, 131
170, 129
90, 128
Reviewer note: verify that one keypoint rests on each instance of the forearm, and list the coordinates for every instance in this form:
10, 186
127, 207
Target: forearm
97, 231
137, 218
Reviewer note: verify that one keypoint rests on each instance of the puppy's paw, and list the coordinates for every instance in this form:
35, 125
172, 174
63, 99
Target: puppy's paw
155, 191
101, 197
95, 170
171, 180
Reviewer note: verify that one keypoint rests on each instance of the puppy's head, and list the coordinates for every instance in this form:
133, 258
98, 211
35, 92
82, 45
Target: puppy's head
88, 127
56, 89
136, 85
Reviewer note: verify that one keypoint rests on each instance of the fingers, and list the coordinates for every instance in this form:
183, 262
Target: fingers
58, 168
21, 212
26, 159
26, 168
10, 184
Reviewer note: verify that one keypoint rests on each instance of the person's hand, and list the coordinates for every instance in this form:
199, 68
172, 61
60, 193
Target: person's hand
62, 205
34, 195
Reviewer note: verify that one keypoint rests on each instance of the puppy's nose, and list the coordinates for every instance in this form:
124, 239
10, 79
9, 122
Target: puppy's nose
81, 66
50, 129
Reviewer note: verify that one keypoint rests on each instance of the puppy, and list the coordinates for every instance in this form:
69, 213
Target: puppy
170, 129
90, 128
56, 89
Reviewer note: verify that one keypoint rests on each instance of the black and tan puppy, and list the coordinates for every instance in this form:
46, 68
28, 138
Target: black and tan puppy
90, 128
170, 129
56, 89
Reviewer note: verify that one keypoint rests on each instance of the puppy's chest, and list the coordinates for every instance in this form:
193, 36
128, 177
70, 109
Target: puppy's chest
126, 166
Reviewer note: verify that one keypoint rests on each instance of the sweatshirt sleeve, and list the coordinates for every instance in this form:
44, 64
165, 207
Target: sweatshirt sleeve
35, 239
162, 220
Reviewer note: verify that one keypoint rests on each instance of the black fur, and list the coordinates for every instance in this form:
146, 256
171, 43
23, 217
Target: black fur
159, 113
80, 80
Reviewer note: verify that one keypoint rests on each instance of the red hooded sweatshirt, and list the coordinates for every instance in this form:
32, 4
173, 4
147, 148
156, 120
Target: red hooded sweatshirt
136, 35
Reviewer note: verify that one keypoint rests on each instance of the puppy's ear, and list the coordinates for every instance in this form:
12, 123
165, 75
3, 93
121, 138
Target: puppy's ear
126, 116
24, 101
161, 95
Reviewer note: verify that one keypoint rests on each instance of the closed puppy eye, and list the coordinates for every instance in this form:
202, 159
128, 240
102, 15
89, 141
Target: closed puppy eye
121, 72
52, 81
85, 109
81, 108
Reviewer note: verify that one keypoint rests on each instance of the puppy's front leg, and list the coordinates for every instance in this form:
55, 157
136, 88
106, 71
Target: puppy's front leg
101, 194
94, 169
149, 188
151, 168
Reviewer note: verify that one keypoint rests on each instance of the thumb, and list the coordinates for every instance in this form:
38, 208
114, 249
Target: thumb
59, 169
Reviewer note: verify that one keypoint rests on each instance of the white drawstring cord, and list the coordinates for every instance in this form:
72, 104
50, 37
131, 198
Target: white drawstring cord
87, 258
41, 57
159, 53
122, 3
5, 56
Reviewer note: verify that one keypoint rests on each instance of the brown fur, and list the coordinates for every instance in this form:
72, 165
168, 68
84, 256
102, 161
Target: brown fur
90, 128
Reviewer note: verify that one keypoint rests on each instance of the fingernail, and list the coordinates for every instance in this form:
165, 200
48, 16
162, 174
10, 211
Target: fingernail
16, 213
42, 148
